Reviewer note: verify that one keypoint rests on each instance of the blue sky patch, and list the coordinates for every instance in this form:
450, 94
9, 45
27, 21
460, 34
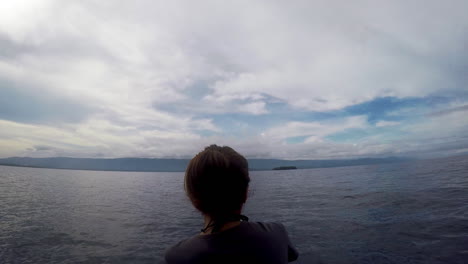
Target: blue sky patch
296, 140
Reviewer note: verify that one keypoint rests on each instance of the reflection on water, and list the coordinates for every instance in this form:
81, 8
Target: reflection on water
394, 213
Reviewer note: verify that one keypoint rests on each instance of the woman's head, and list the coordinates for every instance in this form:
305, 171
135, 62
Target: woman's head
217, 180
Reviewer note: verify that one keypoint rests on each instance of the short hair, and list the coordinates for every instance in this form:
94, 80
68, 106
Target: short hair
216, 180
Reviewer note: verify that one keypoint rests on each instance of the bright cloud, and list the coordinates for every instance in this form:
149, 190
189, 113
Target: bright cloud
314, 129
384, 123
309, 79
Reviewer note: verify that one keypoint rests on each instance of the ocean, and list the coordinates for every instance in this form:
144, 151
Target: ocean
410, 212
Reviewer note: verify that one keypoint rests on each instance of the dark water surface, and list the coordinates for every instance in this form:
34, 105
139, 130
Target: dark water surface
395, 213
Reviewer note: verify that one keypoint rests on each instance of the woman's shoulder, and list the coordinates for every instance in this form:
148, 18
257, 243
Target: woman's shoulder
267, 226
185, 250
247, 237
243, 228
266, 230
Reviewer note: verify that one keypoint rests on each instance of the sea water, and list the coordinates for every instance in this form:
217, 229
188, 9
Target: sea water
412, 212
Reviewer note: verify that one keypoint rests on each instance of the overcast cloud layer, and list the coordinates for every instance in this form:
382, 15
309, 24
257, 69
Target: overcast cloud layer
281, 79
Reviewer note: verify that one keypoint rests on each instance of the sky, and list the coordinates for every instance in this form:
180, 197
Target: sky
272, 79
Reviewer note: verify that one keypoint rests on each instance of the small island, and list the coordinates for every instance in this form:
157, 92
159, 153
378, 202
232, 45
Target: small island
285, 168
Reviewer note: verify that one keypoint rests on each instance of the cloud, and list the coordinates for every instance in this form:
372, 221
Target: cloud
314, 129
158, 78
31, 103
386, 123
449, 111
344, 52
95, 138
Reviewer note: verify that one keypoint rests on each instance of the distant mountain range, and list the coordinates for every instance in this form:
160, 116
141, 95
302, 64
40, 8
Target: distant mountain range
177, 165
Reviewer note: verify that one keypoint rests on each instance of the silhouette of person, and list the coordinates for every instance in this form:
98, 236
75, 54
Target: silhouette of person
216, 181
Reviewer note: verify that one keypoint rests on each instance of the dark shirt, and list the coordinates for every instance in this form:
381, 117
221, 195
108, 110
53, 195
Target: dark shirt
249, 242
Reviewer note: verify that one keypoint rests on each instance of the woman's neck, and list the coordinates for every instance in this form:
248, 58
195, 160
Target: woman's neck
229, 224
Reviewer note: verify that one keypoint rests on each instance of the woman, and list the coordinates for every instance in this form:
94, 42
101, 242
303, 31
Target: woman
216, 181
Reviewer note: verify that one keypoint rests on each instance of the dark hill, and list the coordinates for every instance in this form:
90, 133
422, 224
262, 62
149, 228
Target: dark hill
177, 165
